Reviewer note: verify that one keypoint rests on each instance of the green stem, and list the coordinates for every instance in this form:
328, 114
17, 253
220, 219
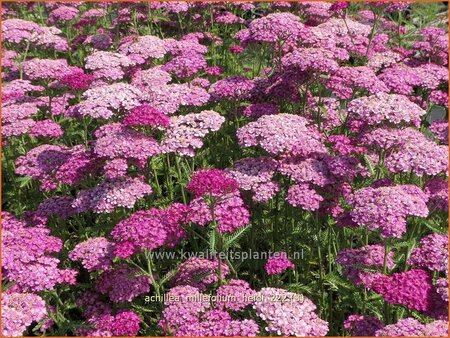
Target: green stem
23, 60
180, 179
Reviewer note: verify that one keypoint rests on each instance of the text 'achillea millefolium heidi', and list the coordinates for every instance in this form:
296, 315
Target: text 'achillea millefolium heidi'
224, 169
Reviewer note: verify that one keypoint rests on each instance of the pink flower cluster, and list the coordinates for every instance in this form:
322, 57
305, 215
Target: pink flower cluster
27, 256
149, 229
19, 310
289, 314
190, 314
357, 261
95, 253
199, 273
386, 208
278, 263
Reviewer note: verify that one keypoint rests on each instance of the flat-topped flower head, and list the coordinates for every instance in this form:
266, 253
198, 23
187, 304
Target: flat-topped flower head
278, 263
386, 208
287, 313
385, 108
20, 310
146, 115
211, 182
432, 253
281, 133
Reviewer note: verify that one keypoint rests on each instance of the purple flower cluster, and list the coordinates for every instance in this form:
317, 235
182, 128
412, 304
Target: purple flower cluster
302, 195
122, 283
108, 65
105, 101
358, 325
190, 314
346, 80
236, 295
356, 262
116, 140
109, 195
385, 108
432, 253
186, 132
146, 115
413, 289
18, 31
27, 256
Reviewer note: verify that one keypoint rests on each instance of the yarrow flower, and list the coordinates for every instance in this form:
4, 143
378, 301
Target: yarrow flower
442, 288
281, 133
150, 229
304, 196
232, 88
440, 129
236, 295
46, 69
432, 253
346, 80
20, 31
358, 325
186, 132
122, 283
60, 206
410, 327
143, 48
260, 109
199, 273
116, 140
20, 310
95, 253
278, 263
124, 323
46, 128
54, 165
276, 27
77, 80
26, 256
437, 190
289, 314
413, 289
385, 108
386, 208
191, 315
211, 182
361, 265
319, 60
105, 101
230, 213
146, 115
109, 195
419, 155
255, 175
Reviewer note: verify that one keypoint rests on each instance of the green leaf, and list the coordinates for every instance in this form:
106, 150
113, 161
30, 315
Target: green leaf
370, 165
230, 239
